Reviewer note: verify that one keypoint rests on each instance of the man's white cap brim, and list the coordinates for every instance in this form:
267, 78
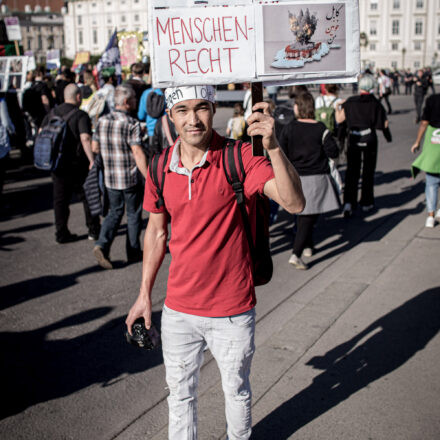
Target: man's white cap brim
174, 95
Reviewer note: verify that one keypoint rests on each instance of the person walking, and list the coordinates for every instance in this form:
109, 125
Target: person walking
420, 89
210, 295
137, 82
429, 160
384, 83
409, 79
6, 128
73, 166
118, 139
309, 145
364, 115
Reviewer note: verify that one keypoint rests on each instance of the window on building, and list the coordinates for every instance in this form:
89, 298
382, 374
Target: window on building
79, 20
395, 30
93, 5
28, 29
419, 4
109, 33
394, 64
373, 5
136, 1
416, 64
109, 20
372, 46
80, 37
438, 45
394, 46
419, 27
136, 17
122, 18
40, 42
95, 36
29, 44
438, 28
373, 27
396, 4
417, 45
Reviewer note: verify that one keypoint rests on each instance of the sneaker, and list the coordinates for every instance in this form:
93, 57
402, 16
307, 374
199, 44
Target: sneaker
102, 260
347, 210
430, 222
68, 238
307, 252
437, 214
367, 208
297, 262
93, 237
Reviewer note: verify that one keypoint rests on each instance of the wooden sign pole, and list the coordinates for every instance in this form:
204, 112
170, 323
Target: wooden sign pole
17, 49
257, 96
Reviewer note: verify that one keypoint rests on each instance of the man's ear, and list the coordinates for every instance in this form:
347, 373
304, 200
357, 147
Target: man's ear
214, 107
168, 110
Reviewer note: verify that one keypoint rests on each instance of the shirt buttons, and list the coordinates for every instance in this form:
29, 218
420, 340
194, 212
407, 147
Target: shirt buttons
192, 180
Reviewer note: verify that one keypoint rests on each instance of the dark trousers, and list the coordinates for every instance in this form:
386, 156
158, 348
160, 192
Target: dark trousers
3, 163
418, 100
304, 233
118, 199
357, 157
408, 89
64, 186
387, 100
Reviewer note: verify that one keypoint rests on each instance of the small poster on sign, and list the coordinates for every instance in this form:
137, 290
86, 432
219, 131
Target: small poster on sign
13, 28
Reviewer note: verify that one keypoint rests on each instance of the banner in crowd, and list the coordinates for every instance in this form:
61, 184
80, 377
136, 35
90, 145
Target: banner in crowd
81, 58
130, 48
53, 60
13, 72
279, 42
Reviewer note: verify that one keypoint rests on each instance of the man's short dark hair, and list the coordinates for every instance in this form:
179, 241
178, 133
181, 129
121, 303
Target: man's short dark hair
137, 69
332, 88
306, 105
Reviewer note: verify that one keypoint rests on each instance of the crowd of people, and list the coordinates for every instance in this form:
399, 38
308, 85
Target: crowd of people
113, 130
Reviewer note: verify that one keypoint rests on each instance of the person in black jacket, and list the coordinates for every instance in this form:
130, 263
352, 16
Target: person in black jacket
420, 88
364, 115
308, 145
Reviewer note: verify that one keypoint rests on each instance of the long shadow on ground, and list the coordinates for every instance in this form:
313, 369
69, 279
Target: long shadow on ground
34, 369
347, 368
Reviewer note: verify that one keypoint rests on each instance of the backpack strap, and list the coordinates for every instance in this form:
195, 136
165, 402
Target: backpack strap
232, 162
324, 135
166, 129
157, 174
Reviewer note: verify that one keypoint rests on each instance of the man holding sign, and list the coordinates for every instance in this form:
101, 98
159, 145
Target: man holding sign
210, 294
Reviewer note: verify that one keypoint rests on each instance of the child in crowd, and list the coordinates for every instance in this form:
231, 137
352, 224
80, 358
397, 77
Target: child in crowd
236, 128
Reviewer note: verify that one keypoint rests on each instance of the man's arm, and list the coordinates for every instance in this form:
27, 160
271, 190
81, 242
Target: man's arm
95, 147
87, 146
286, 188
155, 242
422, 128
140, 159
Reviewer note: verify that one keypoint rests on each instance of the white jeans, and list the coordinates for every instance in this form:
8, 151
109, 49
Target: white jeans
231, 341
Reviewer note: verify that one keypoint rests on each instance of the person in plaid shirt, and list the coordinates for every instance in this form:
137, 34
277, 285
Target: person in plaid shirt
118, 138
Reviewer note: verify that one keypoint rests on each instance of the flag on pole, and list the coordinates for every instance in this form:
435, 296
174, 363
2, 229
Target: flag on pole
111, 57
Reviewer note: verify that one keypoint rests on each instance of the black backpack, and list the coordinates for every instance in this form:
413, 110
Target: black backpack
48, 147
155, 104
235, 175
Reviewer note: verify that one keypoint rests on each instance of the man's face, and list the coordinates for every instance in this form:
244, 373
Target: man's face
193, 121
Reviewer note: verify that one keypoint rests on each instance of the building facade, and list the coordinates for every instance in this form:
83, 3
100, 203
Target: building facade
21, 5
41, 30
400, 34
88, 24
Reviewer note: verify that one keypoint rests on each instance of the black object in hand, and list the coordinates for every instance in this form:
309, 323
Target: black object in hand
143, 338
387, 134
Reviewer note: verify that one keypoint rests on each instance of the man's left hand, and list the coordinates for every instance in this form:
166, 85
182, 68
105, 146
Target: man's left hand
263, 124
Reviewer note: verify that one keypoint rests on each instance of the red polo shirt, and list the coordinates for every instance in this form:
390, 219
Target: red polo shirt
210, 272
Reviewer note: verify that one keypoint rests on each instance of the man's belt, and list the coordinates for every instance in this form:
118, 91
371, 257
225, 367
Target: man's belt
361, 133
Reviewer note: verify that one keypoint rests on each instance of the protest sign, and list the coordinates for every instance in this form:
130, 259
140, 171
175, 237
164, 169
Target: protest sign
53, 59
278, 42
81, 58
130, 48
13, 72
13, 28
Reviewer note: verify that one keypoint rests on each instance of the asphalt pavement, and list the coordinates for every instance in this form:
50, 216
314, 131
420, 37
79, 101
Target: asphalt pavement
348, 349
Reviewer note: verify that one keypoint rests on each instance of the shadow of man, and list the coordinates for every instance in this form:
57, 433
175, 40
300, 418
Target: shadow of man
378, 350
35, 368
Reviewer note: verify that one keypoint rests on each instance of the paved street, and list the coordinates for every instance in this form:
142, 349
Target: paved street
346, 350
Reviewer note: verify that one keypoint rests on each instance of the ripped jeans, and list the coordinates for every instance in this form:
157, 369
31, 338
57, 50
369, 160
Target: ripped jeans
231, 342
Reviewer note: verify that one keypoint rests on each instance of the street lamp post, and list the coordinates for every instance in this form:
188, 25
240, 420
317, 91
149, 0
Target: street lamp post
403, 57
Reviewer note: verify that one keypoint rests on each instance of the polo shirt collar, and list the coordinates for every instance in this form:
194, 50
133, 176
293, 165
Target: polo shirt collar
212, 154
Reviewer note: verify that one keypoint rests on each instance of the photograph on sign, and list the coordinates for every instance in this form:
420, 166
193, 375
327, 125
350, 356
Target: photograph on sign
16, 65
211, 45
307, 37
15, 82
3, 65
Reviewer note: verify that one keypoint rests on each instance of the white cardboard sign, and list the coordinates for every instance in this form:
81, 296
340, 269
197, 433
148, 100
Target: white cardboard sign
13, 28
278, 42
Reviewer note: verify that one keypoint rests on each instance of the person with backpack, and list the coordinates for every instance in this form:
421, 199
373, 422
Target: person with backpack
210, 296
236, 128
364, 115
74, 158
151, 108
309, 145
